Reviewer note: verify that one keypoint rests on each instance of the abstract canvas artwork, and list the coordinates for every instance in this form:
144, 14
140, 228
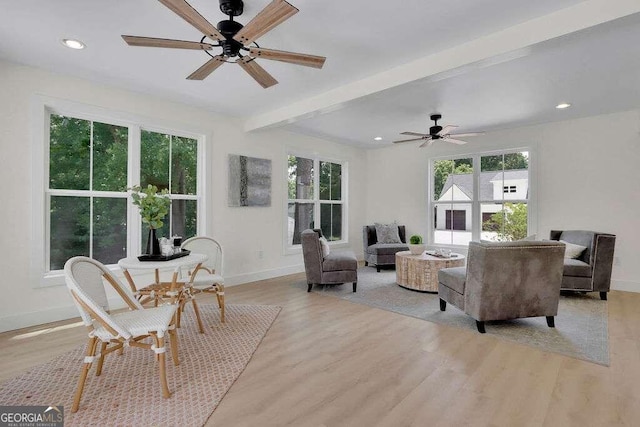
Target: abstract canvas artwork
249, 181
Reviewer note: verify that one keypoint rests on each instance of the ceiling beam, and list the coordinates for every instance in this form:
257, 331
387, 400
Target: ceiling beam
518, 38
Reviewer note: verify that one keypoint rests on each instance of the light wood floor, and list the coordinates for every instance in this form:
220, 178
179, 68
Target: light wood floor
328, 362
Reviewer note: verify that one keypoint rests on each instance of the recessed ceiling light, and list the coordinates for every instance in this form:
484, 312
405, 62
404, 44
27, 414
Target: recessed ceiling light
563, 106
378, 138
73, 43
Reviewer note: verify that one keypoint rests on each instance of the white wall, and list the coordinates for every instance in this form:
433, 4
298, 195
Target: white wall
242, 231
587, 178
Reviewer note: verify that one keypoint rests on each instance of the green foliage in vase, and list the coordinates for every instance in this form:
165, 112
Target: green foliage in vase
153, 206
415, 239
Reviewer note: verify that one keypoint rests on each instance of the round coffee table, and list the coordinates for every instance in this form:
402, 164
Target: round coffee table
420, 272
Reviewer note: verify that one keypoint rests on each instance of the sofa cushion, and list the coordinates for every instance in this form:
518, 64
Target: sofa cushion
337, 261
572, 250
387, 248
325, 247
574, 267
453, 278
387, 233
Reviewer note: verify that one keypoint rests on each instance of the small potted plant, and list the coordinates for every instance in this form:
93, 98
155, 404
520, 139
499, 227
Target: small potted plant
415, 245
154, 206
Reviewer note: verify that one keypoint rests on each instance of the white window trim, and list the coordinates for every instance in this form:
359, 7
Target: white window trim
344, 188
40, 109
532, 213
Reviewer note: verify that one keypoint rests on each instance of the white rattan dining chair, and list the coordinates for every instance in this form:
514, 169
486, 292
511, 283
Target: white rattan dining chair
85, 280
209, 276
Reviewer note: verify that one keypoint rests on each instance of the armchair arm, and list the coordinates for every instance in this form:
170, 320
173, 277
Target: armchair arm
602, 261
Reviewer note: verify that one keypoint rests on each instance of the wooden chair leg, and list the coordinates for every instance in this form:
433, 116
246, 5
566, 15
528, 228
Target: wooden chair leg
197, 311
173, 337
91, 351
178, 316
480, 326
160, 352
221, 299
103, 348
443, 305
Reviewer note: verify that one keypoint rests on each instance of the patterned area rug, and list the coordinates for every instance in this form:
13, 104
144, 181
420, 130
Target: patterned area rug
128, 391
581, 325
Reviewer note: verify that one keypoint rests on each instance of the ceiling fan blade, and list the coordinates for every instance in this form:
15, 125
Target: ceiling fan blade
408, 140
209, 67
447, 129
170, 43
271, 16
414, 134
290, 57
455, 141
426, 143
189, 14
462, 135
260, 75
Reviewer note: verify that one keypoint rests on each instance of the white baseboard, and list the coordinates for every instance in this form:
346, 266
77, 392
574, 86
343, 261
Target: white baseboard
625, 285
24, 320
262, 275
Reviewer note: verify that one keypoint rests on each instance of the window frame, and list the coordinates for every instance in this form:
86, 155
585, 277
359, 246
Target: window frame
42, 107
317, 202
476, 202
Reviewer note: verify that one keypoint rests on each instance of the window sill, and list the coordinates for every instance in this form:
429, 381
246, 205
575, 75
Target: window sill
297, 249
56, 278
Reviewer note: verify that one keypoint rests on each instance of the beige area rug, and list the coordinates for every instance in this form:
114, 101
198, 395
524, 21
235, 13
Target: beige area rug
581, 325
128, 391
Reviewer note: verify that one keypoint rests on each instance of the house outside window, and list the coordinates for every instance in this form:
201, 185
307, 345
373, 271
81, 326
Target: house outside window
316, 198
91, 165
488, 202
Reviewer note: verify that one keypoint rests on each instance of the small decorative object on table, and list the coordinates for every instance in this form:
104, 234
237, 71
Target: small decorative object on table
153, 207
415, 244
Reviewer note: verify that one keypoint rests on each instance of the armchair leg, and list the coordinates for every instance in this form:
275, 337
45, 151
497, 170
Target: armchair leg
366, 263
355, 285
309, 287
551, 322
603, 296
480, 326
443, 305
378, 268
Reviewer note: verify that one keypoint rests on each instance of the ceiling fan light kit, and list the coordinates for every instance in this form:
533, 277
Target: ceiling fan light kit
437, 132
236, 40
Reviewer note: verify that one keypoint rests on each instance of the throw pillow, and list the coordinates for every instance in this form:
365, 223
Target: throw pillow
325, 247
387, 233
572, 250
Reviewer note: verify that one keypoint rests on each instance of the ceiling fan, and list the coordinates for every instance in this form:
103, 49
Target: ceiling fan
237, 41
437, 132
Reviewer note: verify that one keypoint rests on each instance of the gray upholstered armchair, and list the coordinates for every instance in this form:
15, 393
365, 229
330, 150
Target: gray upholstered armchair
381, 254
333, 268
505, 280
591, 271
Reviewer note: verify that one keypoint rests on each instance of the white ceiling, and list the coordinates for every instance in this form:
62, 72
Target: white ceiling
595, 69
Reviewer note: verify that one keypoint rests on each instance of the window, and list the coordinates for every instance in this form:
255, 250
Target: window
90, 166
170, 162
480, 197
315, 198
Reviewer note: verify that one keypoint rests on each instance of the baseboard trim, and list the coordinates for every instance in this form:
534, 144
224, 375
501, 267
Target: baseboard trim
240, 279
625, 285
34, 318
25, 320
